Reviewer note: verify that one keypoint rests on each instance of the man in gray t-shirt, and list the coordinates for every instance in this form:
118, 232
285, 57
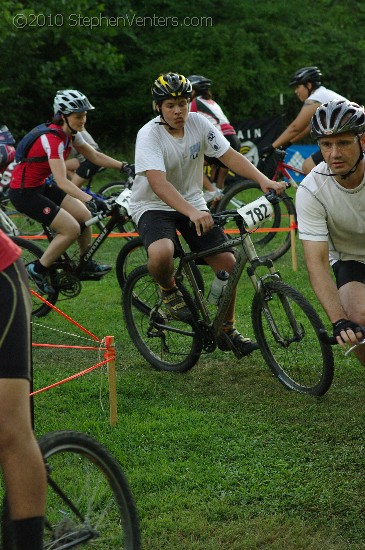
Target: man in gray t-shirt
330, 206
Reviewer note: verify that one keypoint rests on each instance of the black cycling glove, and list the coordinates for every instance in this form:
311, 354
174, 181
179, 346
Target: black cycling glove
97, 205
345, 324
267, 152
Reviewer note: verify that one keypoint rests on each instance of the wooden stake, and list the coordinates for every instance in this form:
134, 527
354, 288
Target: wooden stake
293, 242
112, 379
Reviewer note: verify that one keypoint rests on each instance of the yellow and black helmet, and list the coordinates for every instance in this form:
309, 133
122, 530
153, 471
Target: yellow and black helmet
170, 85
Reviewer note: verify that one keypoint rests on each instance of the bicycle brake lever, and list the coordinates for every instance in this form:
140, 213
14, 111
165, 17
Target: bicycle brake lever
272, 197
326, 339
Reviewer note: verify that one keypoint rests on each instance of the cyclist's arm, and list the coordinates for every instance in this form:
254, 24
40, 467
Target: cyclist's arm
316, 259
169, 194
98, 158
243, 167
58, 169
299, 126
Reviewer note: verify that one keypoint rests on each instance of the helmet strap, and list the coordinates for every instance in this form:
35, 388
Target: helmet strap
73, 132
353, 169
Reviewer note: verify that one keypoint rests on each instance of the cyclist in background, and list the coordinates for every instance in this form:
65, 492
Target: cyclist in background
307, 83
203, 103
167, 192
79, 169
20, 458
61, 204
7, 149
330, 207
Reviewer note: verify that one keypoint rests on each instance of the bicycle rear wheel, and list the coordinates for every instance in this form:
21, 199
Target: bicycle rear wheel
30, 253
272, 244
167, 344
287, 330
93, 481
24, 224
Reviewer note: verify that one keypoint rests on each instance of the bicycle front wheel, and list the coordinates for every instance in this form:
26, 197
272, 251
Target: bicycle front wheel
30, 253
167, 344
287, 330
132, 255
268, 242
89, 502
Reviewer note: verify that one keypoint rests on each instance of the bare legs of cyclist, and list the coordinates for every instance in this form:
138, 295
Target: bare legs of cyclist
66, 224
352, 296
161, 267
19, 455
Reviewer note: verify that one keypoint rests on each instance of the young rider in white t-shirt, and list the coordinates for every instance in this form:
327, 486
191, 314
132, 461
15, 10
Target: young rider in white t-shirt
330, 206
167, 192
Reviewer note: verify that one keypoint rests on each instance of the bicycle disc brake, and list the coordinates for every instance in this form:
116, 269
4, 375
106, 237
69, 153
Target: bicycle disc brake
68, 284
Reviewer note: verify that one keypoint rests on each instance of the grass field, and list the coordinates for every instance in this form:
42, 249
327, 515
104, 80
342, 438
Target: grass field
222, 457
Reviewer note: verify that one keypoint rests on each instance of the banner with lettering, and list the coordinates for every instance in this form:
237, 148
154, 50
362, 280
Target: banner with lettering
254, 134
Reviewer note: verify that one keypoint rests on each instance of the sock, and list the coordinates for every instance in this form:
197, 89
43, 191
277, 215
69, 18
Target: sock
228, 325
28, 533
39, 268
169, 289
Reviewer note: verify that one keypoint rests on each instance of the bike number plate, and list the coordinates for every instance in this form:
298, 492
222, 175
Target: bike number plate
256, 213
123, 199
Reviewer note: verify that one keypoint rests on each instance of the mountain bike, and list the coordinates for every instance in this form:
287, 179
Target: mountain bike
68, 271
269, 240
89, 501
286, 326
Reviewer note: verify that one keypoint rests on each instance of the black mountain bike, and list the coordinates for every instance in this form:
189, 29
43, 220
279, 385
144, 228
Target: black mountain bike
68, 272
286, 326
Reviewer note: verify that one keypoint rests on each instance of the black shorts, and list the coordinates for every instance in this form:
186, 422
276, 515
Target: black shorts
87, 169
234, 143
162, 224
317, 157
15, 334
346, 272
39, 203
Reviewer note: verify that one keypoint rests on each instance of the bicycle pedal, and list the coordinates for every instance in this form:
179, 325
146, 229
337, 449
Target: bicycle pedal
91, 276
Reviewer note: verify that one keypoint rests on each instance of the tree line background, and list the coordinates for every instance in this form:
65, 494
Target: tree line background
249, 49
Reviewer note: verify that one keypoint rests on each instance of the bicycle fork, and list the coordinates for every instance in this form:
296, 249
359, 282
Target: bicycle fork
297, 329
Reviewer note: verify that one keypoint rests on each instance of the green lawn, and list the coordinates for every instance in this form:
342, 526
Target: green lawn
222, 457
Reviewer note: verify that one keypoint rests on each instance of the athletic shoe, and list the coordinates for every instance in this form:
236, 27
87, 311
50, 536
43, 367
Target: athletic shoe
245, 345
175, 304
41, 280
93, 268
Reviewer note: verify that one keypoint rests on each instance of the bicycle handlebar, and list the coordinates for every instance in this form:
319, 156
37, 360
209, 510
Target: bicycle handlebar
129, 169
326, 339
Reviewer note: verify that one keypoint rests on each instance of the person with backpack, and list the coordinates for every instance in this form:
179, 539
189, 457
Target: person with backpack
60, 204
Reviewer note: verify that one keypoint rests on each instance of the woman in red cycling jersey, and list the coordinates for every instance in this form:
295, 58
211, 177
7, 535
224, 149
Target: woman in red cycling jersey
60, 205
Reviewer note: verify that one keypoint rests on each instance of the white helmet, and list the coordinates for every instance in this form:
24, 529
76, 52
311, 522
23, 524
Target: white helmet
71, 101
